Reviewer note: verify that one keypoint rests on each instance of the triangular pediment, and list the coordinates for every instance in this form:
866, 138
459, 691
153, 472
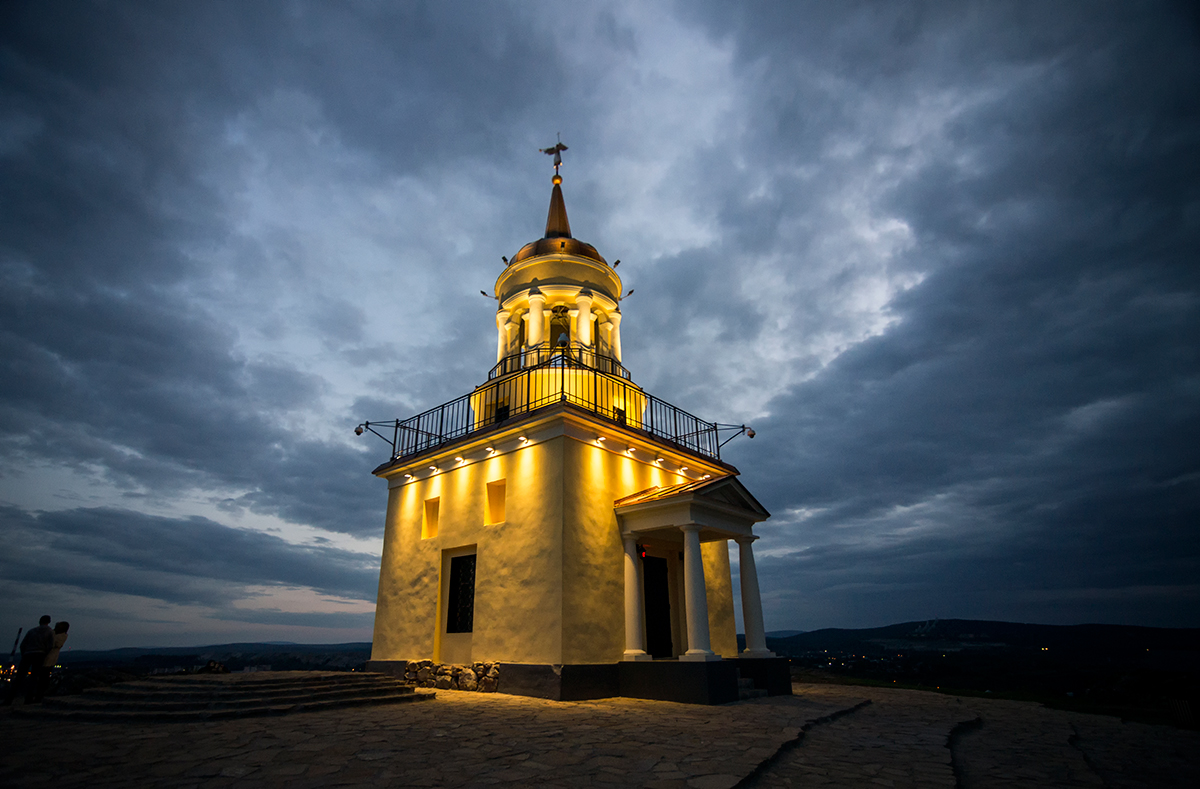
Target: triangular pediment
725, 491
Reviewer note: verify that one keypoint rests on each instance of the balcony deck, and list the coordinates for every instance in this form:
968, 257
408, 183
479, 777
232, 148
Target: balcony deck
566, 376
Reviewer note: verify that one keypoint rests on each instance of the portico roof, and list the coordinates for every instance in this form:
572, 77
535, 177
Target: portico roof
721, 505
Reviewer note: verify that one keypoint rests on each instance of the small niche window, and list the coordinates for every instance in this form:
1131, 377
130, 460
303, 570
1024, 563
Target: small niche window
429, 524
460, 598
495, 501
501, 411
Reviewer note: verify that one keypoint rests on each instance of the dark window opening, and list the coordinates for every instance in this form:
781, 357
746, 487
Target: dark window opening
501, 412
560, 326
619, 415
460, 602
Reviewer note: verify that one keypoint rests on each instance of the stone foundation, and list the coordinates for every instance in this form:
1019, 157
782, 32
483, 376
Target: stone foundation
478, 677
709, 682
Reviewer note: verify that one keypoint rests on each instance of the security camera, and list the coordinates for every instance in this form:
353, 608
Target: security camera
358, 431
750, 432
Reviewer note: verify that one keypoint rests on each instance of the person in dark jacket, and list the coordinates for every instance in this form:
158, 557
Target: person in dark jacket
37, 644
51, 660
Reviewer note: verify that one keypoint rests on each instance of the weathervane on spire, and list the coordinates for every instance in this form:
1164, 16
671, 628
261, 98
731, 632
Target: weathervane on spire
556, 152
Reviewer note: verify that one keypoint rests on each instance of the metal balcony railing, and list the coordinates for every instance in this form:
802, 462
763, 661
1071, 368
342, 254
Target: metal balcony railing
543, 355
527, 390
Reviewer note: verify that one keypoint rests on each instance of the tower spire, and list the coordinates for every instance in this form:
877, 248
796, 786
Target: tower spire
557, 225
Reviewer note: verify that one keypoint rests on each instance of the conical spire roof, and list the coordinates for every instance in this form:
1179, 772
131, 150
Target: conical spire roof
557, 225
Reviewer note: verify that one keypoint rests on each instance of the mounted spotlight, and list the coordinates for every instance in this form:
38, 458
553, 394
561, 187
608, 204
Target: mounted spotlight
738, 430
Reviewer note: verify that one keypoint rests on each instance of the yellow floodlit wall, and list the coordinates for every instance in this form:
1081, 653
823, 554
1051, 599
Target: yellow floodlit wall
518, 588
549, 578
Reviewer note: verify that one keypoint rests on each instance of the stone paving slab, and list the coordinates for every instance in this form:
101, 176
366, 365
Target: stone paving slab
459, 739
824, 736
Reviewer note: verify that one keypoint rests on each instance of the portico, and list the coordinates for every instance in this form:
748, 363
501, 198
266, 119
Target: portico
689, 514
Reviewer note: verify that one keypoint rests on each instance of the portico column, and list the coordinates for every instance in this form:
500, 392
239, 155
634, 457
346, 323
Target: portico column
614, 318
752, 615
584, 322
635, 629
501, 334
537, 305
699, 644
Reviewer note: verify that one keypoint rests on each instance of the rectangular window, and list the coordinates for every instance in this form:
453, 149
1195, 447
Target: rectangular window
460, 599
495, 501
429, 525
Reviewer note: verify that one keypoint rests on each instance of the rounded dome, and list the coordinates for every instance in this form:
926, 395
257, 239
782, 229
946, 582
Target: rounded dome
558, 246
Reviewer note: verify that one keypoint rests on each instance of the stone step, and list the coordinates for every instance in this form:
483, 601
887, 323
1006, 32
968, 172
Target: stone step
70, 712
226, 696
180, 692
746, 689
259, 679
173, 701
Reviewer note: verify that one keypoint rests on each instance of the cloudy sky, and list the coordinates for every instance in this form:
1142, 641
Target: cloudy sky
942, 256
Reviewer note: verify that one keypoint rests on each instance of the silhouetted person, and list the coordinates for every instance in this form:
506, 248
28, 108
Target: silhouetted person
43, 674
214, 667
37, 644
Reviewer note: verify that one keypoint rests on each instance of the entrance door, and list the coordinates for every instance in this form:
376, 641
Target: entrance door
658, 607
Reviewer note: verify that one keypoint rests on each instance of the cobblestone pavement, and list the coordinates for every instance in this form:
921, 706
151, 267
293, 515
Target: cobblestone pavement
825, 736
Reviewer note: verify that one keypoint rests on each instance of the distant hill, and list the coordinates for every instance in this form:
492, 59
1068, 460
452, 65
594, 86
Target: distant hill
279, 656
973, 634
1145, 673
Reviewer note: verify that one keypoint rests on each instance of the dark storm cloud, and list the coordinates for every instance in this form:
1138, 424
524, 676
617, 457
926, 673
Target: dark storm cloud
176, 560
1027, 430
1010, 428
113, 114
155, 397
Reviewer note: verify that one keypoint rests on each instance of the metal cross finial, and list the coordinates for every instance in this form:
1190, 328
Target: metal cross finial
556, 152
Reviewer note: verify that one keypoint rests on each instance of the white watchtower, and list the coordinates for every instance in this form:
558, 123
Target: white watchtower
562, 522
